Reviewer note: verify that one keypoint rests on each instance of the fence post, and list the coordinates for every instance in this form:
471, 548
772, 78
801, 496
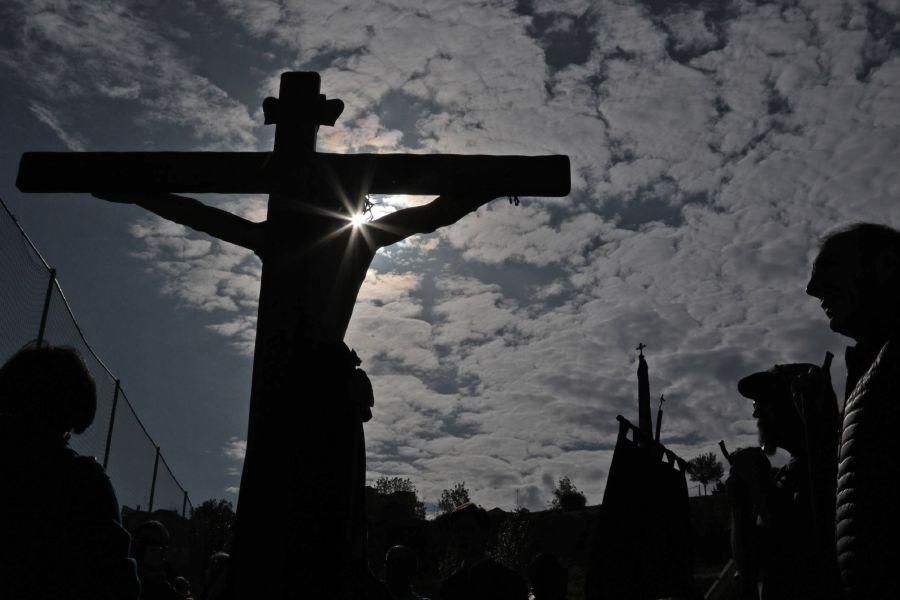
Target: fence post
153, 485
46, 310
112, 421
184, 506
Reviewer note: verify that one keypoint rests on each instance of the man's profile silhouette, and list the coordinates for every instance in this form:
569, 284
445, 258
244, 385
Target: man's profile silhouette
856, 275
782, 525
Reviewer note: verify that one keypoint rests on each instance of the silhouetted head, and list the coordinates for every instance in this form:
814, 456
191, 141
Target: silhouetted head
470, 527
46, 392
182, 586
151, 542
218, 561
549, 579
856, 275
215, 568
400, 566
777, 418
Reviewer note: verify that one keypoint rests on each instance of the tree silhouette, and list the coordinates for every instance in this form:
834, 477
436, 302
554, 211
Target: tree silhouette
512, 546
566, 496
705, 469
389, 485
386, 486
211, 526
450, 499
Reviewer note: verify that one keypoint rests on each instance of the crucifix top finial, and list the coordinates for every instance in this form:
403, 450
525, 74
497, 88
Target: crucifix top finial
640, 348
301, 103
662, 400
320, 111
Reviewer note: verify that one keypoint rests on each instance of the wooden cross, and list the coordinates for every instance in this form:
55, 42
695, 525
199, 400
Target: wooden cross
300, 528
640, 348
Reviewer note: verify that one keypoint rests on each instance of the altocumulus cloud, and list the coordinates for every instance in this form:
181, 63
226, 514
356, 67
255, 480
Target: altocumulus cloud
91, 55
711, 145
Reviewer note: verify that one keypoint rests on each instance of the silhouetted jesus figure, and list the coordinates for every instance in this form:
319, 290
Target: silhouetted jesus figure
307, 389
334, 248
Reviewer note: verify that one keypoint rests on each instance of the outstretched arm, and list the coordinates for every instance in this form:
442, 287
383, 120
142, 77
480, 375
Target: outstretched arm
443, 210
196, 215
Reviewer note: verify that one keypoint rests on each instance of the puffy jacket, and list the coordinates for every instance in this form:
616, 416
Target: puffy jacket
867, 514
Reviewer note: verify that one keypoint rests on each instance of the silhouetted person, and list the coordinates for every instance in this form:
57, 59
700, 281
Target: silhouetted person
151, 542
856, 275
783, 519
549, 579
61, 533
479, 576
183, 587
215, 578
400, 566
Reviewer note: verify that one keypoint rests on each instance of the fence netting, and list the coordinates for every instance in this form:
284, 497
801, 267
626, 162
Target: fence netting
23, 286
169, 494
132, 455
32, 307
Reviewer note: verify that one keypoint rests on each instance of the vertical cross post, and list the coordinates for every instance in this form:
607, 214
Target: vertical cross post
303, 479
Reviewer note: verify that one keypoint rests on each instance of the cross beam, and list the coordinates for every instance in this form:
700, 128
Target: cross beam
259, 173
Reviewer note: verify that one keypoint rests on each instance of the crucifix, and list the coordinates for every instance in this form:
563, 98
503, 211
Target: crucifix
300, 529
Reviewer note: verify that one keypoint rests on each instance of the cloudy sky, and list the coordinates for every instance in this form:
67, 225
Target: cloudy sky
712, 144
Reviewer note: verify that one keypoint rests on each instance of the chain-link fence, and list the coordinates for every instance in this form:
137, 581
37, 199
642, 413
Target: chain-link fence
33, 307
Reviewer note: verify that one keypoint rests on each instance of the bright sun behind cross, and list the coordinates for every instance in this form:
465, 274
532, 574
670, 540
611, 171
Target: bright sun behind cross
358, 219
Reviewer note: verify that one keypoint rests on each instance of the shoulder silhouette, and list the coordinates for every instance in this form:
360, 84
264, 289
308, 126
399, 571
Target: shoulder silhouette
62, 532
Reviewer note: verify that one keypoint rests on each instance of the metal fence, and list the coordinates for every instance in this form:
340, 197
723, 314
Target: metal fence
33, 307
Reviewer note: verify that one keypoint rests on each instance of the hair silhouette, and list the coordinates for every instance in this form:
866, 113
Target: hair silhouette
47, 389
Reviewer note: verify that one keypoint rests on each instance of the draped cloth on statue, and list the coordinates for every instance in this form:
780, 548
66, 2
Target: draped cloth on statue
313, 406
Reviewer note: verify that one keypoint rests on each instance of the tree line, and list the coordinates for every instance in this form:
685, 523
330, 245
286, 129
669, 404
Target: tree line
213, 520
